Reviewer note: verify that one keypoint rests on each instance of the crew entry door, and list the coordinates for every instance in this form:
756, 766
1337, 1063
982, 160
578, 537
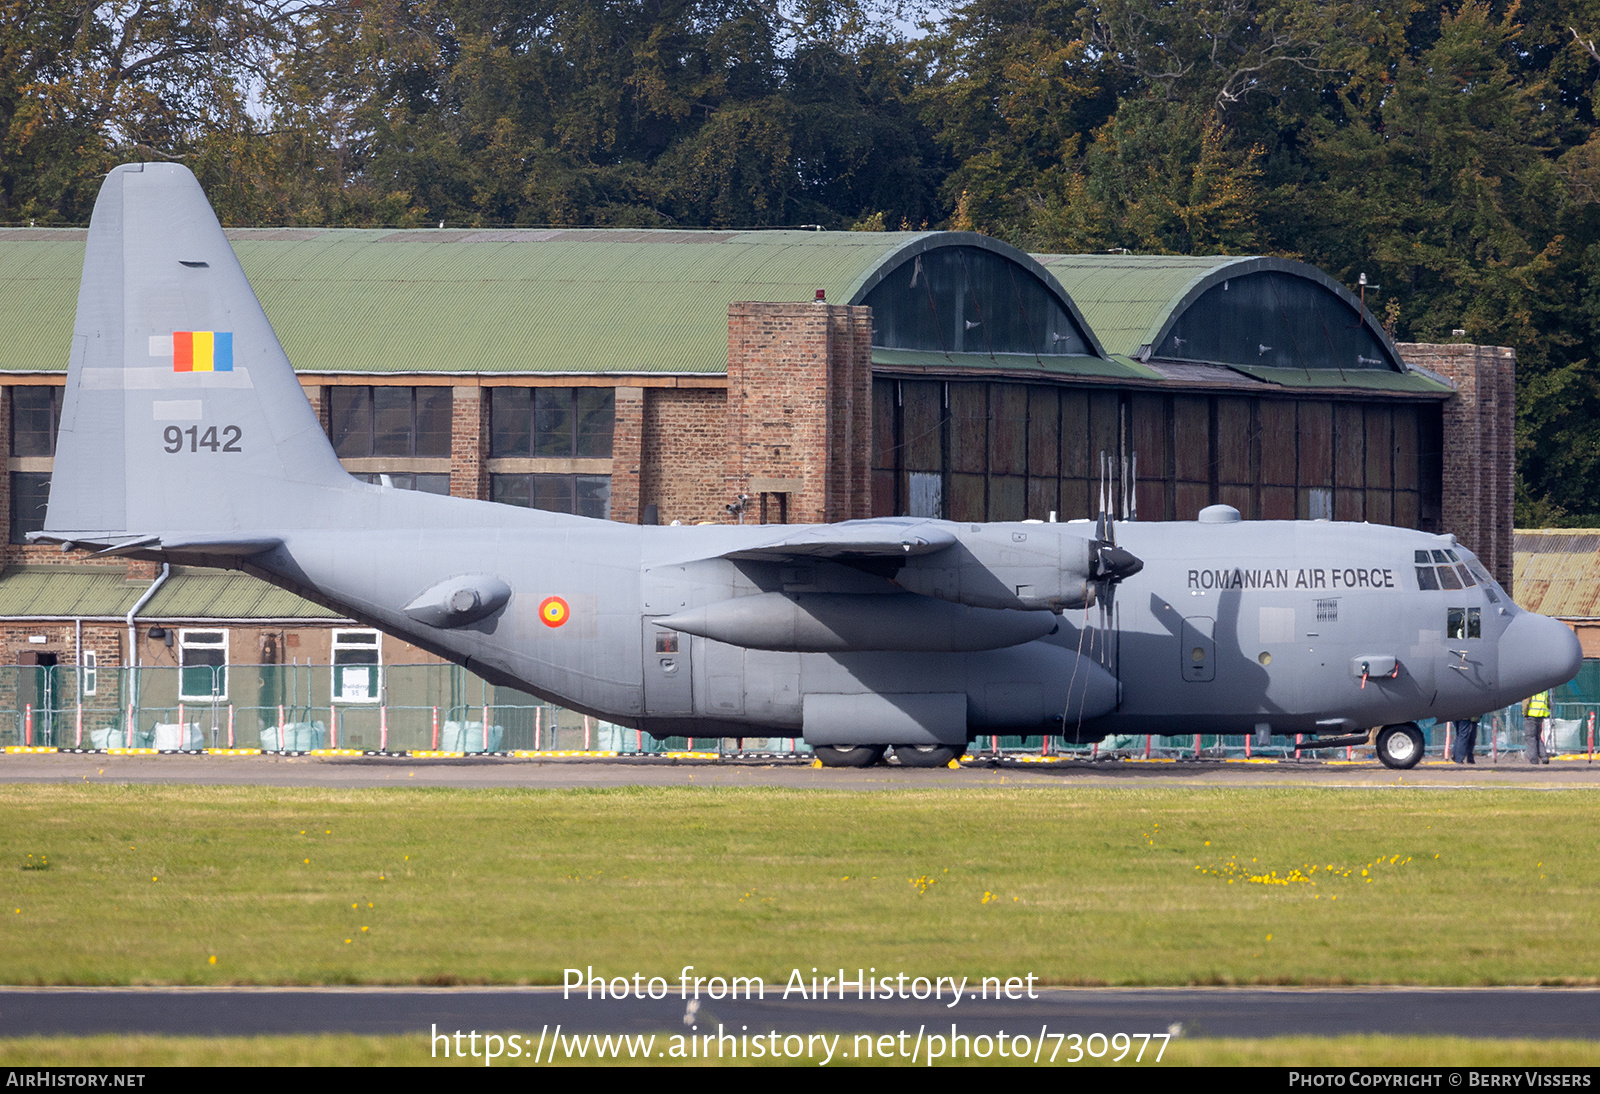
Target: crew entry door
1197, 651
667, 688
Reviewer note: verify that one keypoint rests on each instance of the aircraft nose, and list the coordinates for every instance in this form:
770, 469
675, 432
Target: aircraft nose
1537, 653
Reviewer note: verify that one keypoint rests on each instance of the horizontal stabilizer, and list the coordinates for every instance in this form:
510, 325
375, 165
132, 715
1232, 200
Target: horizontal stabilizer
219, 545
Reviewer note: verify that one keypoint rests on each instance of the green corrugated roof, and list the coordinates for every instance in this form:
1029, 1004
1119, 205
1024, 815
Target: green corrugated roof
1369, 379
39, 273
63, 592
470, 301
1127, 298
1132, 300
1110, 368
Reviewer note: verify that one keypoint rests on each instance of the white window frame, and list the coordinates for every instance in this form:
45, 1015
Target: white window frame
341, 642
88, 672
185, 644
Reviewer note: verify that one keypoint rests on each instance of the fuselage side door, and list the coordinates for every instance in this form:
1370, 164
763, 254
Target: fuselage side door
1197, 651
668, 687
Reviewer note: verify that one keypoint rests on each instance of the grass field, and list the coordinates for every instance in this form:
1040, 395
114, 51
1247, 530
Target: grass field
351, 1051
218, 885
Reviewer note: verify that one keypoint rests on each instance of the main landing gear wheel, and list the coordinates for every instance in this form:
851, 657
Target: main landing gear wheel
1400, 746
924, 755
849, 755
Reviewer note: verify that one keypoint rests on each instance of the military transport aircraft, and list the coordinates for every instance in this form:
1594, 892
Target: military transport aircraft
186, 437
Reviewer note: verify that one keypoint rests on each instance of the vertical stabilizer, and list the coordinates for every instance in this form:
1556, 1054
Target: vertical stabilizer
182, 412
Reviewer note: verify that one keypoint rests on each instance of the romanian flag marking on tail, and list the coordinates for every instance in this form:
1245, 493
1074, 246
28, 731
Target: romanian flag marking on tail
202, 351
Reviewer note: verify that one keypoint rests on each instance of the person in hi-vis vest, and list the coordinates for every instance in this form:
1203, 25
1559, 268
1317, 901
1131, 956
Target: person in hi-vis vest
1536, 719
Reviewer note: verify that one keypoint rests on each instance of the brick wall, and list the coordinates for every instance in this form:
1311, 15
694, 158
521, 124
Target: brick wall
1479, 457
317, 396
627, 441
799, 408
683, 452
850, 427
469, 443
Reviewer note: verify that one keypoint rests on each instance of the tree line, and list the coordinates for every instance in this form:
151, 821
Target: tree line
1449, 152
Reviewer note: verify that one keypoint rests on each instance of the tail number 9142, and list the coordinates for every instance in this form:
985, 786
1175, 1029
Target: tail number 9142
209, 439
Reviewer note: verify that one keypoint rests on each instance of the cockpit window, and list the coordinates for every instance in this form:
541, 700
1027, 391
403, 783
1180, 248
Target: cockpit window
1464, 623
1491, 587
1438, 570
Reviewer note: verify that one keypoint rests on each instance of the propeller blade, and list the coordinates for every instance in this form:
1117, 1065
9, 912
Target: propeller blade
1115, 563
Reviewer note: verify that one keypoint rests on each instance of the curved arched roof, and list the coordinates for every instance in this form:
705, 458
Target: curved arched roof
1134, 301
582, 301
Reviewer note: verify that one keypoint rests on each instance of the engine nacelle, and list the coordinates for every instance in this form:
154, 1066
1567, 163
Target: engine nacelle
1033, 567
846, 623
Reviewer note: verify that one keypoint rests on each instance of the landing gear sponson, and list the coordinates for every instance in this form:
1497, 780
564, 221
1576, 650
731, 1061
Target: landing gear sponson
1397, 746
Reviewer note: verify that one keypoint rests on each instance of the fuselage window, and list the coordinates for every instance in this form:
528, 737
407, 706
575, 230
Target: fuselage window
1425, 578
1448, 578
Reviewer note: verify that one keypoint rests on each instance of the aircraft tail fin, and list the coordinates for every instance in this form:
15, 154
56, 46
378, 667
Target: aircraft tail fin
182, 412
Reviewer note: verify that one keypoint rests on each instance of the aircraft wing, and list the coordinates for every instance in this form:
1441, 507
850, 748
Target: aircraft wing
851, 540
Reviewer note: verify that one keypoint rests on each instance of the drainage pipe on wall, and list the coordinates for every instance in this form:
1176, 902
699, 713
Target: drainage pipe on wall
131, 659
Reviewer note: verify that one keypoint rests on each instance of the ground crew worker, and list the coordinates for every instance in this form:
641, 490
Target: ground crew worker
1465, 744
1536, 716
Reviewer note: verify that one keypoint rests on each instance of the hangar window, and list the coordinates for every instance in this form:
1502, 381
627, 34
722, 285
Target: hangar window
35, 416
30, 494
969, 300
357, 667
1274, 319
551, 422
580, 495
389, 421
428, 483
203, 657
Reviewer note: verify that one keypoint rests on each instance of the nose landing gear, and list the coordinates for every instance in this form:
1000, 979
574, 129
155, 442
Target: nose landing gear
1400, 746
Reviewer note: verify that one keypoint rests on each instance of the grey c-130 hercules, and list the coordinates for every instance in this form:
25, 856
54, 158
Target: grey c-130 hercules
185, 436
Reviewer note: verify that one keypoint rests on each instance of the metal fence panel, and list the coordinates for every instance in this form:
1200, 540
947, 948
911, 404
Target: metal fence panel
444, 707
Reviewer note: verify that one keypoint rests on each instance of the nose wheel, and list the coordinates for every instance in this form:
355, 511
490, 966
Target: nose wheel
1401, 746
